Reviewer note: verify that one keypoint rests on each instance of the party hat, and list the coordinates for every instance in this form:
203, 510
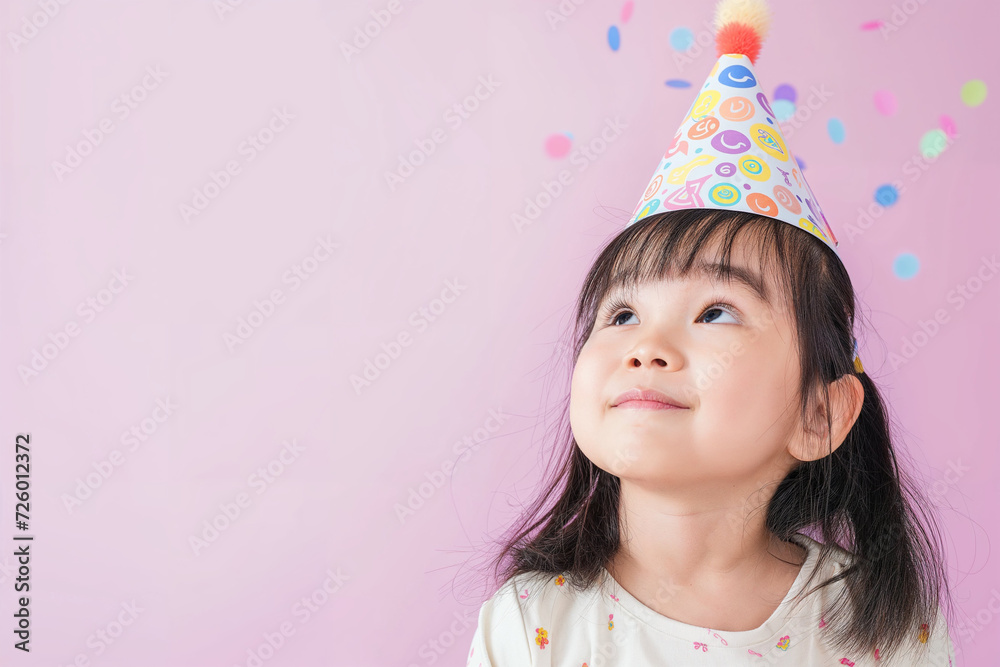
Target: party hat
729, 152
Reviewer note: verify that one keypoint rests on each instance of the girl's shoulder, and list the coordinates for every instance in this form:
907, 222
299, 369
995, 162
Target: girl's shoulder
930, 643
537, 595
519, 619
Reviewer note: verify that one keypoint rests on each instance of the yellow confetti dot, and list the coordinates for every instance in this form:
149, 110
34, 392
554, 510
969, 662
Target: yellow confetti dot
974, 93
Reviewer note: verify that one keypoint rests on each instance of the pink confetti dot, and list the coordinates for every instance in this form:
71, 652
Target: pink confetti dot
885, 102
557, 145
871, 25
627, 11
948, 125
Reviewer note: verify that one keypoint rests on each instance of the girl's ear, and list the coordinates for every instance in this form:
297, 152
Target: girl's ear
811, 442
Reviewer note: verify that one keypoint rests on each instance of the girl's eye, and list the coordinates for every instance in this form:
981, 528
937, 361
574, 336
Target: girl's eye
723, 308
619, 309
614, 310
616, 319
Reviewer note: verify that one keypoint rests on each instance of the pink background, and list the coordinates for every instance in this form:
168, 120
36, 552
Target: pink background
492, 346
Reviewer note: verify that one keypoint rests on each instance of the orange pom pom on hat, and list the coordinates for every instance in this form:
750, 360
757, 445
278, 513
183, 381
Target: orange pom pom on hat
729, 152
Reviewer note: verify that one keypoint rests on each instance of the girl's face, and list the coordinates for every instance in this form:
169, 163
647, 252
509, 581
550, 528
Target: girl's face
724, 352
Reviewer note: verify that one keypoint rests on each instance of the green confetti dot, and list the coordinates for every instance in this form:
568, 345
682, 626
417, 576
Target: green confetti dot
933, 144
974, 93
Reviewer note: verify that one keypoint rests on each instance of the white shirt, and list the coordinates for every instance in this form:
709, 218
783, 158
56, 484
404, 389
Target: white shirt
538, 619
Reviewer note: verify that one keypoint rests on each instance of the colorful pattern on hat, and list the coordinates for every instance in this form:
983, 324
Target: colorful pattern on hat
730, 154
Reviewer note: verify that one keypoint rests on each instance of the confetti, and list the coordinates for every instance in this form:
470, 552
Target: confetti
835, 129
785, 92
973, 93
783, 110
905, 266
627, 11
885, 102
614, 38
681, 39
948, 125
933, 143
678, 83
886, 195
557, 145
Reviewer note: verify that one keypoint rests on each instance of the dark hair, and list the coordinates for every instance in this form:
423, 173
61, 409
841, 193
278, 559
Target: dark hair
856, 498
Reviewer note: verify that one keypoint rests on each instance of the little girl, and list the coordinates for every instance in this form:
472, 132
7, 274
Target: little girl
729, 494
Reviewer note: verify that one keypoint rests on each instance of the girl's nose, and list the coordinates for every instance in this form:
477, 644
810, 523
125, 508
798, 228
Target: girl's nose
653, 355
638, 361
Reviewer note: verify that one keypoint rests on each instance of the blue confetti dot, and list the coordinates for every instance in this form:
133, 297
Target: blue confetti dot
783, 109
681, 39
802, 167
836, 130
614, 38
697, 150
906, 265
678, 83
769, 120
886, 195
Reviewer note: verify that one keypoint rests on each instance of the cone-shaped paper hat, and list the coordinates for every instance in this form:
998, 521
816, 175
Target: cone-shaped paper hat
729, 152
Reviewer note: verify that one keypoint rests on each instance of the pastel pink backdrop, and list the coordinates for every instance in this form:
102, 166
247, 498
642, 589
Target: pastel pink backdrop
408, 591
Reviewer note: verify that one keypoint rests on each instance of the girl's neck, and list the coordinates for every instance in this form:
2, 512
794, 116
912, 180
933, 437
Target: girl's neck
688, 557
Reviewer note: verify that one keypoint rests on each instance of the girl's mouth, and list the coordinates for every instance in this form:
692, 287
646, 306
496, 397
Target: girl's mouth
647, 405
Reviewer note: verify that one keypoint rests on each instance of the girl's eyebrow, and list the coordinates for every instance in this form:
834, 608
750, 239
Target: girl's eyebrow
740, 274
715, 271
